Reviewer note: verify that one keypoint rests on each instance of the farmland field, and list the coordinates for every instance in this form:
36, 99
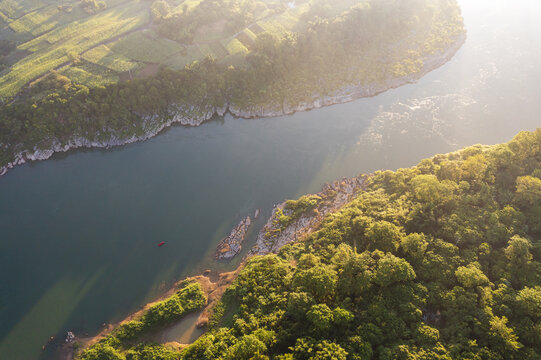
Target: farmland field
236, 47
103, 56
40, 21
185, 57
218, 49
121, 35
145, 46
90, 75
96, 46
246, 37
14, 9
66, 42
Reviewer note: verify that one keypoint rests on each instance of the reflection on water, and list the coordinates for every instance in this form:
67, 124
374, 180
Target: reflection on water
79, 233
418, 120
47, 316
487, 94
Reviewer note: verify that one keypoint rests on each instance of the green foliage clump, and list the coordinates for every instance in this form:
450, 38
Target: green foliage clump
151, 352
293, 209
185, 300
102, 352
303, 204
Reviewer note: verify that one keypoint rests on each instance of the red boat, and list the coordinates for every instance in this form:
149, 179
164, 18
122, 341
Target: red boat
160, 244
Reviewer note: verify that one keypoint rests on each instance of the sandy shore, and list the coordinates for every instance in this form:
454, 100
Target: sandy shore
213, 285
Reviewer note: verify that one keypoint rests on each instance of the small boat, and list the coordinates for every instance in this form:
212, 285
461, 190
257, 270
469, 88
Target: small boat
160, 244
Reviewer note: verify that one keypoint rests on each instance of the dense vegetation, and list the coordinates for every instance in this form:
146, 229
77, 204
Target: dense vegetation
322, 48
438, 261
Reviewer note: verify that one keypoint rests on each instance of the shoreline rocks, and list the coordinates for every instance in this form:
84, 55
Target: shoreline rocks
231, 245
190, 115
334, 195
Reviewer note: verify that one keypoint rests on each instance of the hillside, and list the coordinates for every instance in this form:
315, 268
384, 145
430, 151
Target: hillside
104, 73
438, 261
97, 43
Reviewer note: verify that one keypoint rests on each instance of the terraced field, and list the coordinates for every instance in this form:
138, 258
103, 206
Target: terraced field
13, 9
66, 42
95, 47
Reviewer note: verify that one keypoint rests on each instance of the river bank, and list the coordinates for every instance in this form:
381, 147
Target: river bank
333, 196
193, 116
273, 236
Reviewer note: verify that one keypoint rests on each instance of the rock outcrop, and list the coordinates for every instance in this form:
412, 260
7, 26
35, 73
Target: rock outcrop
334, 195
231, 245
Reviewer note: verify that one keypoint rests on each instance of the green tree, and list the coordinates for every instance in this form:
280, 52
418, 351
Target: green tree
102, 352
414, 247
321, 317
383, 236
247, 347
391, 270
327, 350
528, 191
320, 281
520, 257
503, 338
471, 276
529, 301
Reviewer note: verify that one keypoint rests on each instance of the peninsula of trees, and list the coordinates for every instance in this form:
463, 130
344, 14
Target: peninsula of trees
438, 261
103, 73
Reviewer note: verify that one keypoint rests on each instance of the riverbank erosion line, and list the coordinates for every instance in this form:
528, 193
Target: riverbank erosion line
192, 115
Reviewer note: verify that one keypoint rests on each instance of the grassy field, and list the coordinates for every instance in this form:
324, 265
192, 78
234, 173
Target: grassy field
185, 57
29, 22
146, 46
90, 75
103, 56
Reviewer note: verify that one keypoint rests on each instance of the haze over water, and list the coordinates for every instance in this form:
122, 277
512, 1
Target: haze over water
79, 233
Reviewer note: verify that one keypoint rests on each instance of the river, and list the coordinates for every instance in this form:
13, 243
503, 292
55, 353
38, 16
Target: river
79, 232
